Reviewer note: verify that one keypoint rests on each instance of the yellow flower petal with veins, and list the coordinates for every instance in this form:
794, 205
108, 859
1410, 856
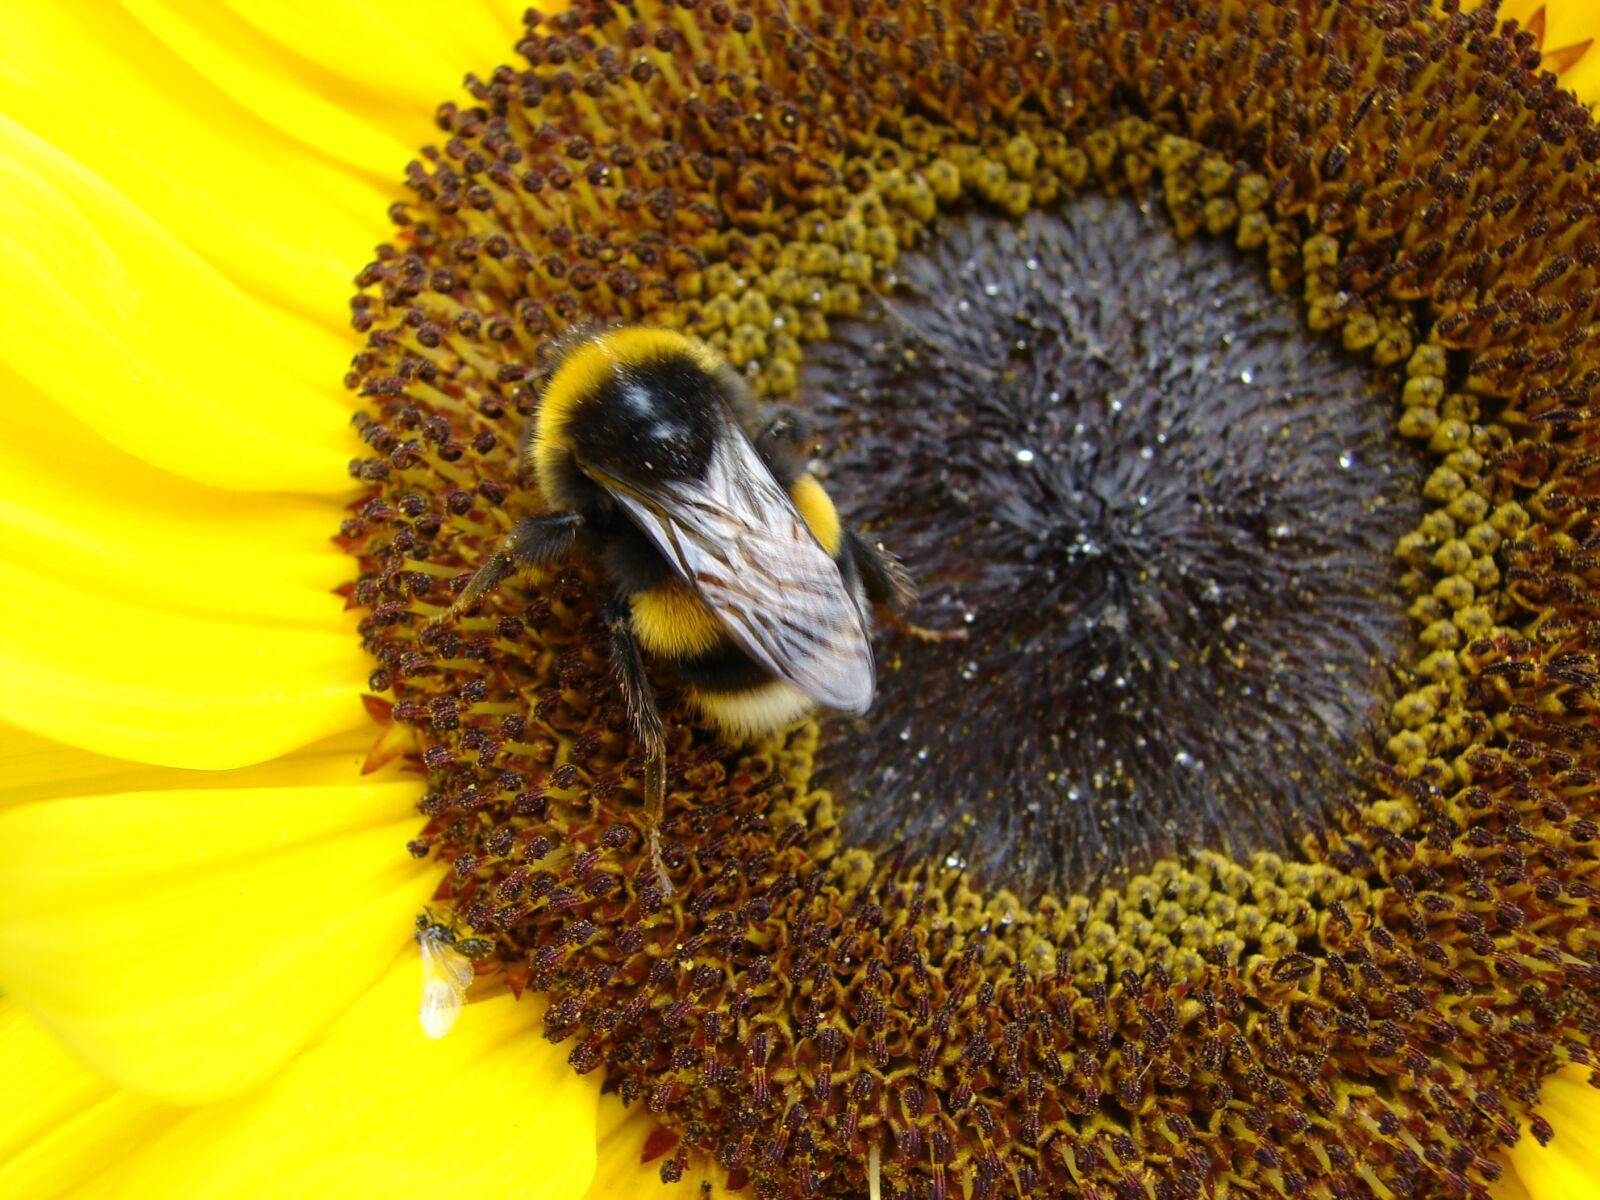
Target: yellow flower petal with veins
150, 346
1511, 1187
190, 934
123, 529
422, 57
622, 1134
334, 77
164, 687
315, 108
629, 1161
1566, 1167
36, 769
151, 930
296, 251
374, 1105
67, 1124
486, 1110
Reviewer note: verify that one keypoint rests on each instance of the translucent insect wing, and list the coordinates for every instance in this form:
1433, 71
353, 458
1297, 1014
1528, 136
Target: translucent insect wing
446, 976
736, 537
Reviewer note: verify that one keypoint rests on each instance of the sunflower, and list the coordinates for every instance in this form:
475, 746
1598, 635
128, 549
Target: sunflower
1309, 914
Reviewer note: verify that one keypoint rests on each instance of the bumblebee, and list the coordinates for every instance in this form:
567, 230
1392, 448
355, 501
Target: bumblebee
727, 557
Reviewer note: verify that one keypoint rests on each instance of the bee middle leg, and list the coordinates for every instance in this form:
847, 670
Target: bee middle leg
645, 718
889, 586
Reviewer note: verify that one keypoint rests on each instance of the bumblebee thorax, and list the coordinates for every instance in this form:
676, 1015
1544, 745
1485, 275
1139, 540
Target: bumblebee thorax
631, 403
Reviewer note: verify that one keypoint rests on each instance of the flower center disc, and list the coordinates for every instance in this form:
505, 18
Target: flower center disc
1166, 513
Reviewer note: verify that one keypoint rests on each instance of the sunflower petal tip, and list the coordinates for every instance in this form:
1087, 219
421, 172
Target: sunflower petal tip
1564, 58
659, 1141
394, 742
379, 709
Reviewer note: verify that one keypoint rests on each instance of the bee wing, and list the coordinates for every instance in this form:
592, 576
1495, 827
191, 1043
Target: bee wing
445, 978
738, 540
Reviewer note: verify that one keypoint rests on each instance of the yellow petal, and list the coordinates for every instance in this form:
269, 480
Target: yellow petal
186, 943
1565, 1169
619, 1170
34, 769
632, 1145
374, 1107
145, 684
358, 82
392, 60
1511, 1187
60, 1123
1569, 24
305, 105
1563, 27
117, 527
275, 216
116, 320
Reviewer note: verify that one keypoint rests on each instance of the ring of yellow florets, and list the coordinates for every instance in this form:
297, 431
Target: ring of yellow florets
1376, 1013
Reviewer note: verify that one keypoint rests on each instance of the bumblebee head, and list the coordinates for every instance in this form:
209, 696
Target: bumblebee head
634, 403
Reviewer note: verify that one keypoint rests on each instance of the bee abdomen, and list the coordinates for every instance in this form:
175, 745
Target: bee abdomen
734, 691
817, 511
738, 694
673, 623
751, 712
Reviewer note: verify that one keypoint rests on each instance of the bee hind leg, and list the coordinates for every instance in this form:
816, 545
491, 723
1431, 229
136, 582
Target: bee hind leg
645, 718
889, 586
532, 542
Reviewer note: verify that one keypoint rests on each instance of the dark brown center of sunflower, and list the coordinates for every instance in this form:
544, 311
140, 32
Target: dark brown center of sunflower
1166, 514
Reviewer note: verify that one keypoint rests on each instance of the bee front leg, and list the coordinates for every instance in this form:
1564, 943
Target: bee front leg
889, 586
532, 542
783, 441
645, 718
